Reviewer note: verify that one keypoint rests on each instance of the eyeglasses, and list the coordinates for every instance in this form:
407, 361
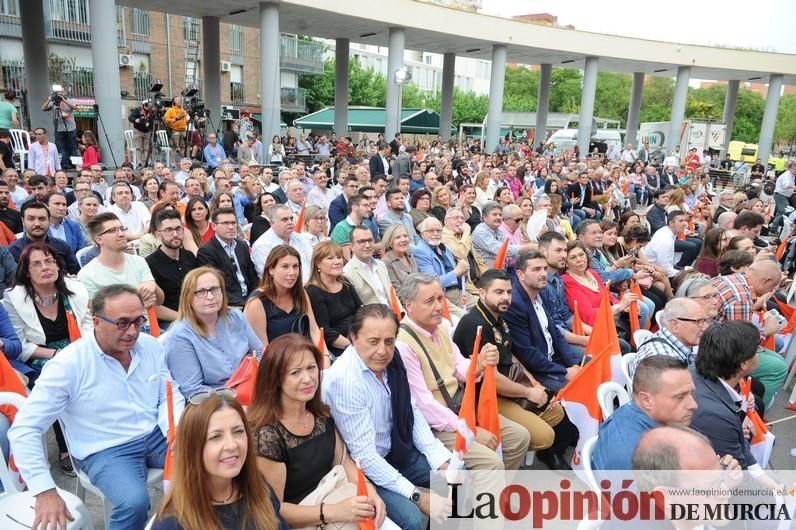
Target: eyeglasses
202, 293
706, 298
517, 219
175, 230
226, 223
200, 397
124, 324
697, 321
114, 230
49, 262
364, 242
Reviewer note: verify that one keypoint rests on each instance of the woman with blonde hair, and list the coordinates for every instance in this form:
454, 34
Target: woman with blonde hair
217, 484
334, 302
441, 200
209, 339
316, 224
481, 186
280, 305
200, 175
398, 257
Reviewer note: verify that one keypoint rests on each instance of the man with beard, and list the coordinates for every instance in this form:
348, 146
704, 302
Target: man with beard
8, 216
550, 430
36, 220
169, 264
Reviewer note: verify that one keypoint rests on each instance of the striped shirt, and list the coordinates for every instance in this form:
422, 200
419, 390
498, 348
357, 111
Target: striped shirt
735, 299
362, 410
667, 344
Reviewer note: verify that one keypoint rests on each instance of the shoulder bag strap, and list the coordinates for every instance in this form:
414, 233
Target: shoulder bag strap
438, 379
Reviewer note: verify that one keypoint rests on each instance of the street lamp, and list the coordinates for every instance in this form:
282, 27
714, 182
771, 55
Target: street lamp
400, 77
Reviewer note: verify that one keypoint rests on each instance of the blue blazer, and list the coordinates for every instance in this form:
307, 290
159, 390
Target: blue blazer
338, 210
74, 235
432, 263
528, 339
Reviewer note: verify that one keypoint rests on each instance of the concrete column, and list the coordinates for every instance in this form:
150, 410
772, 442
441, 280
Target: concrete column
341, 87
35, 53
729, 109
542, 104
211, 67
635, 108
106, 80
495, 112
590, 69
270, 83
446, 97
769, 117
678, 107
395, 60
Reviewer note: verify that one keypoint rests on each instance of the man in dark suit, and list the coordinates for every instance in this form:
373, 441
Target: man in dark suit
538, 344
378, 164
338, 209
580, 193
668, 177
727, 354
395, 144
230, 256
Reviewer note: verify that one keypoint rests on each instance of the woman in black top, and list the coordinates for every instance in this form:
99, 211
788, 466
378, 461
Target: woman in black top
260, 225
466, 203
297, 444
216, 482
333, 300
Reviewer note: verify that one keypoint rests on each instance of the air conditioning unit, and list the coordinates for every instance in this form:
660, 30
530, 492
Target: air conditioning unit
226, 66
125, 60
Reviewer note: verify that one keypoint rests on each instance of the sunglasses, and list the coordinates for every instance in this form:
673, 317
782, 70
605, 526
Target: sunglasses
197, 398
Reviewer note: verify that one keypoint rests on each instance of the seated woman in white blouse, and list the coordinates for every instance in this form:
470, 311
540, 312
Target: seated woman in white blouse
208, 341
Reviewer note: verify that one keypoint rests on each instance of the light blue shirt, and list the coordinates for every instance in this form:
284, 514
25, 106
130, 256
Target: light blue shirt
100, 405
214, 154
57, 231
362, 410
198, 362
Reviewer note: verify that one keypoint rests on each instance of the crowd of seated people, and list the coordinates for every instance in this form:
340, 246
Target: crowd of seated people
231, 264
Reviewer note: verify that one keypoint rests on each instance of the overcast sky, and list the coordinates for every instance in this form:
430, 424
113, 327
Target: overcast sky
758, 24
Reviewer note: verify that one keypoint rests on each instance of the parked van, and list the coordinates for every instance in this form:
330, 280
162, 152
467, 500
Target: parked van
566, 139
740, 151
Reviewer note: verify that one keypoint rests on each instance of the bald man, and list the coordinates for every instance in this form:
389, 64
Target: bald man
737, 294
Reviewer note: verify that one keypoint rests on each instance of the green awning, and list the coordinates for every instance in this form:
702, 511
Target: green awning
258, 117
372, 119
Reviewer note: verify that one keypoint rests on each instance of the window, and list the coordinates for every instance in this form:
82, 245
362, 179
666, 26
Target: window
139, 21
9, 8
191, 29
75, 11
235, 39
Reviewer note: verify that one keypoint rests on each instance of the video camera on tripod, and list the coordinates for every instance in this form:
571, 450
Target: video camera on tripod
193, 104
55, 95
157, 100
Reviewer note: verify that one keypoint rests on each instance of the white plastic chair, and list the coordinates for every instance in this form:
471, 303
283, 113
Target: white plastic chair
129, 139
154, 476
606, 393
165, 146
19, 139
18, 506
627, 361
585, 456
641, 336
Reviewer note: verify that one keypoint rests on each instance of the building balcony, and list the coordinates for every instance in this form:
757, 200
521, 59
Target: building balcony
300, 56
293, 100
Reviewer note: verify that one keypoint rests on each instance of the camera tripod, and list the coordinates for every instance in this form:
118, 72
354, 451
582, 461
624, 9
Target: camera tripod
157, 125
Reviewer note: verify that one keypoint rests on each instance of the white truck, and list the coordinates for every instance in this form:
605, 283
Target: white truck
702, 134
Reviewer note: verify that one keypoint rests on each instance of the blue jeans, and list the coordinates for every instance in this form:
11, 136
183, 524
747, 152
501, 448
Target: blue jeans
120, 473
401, 510
66, 142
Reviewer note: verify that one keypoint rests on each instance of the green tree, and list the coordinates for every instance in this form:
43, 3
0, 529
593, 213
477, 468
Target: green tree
565, 90
785, 131
468, 107
521, 86
705, 103
365, 86
748, 115
656, 101
612, 97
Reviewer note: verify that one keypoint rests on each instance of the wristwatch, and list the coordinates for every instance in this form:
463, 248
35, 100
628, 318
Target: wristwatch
415, 496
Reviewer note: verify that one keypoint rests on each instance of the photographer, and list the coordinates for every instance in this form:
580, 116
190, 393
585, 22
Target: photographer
142, 118
176, 120
65, 126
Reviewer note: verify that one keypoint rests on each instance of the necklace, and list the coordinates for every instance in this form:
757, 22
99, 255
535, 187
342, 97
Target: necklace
226, 501
46, 301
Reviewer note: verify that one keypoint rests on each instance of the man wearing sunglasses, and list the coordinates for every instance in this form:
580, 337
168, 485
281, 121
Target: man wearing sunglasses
115, 266
108, 390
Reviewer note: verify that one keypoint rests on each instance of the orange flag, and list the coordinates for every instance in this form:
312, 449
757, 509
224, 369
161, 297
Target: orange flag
446, 312
395, 304
168, 468
762, 441
465, 431
634, 288
500, 258
244, 379
10, 382
577, 323
769, 342
154, 326
789, 313
579, 395
324, 353
71, 325
488, 407
362, 491
783, 246
300, 220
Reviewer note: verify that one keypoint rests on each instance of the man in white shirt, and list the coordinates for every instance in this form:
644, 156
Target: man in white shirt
43, 155
627, 154
18, 193
784, 187
282, 232
119, 376
295, 197
660, 249
320, 195
133, 215
185, 169
120, 175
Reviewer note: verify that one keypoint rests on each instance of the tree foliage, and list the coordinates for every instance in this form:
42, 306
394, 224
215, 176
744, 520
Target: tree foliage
612, 98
